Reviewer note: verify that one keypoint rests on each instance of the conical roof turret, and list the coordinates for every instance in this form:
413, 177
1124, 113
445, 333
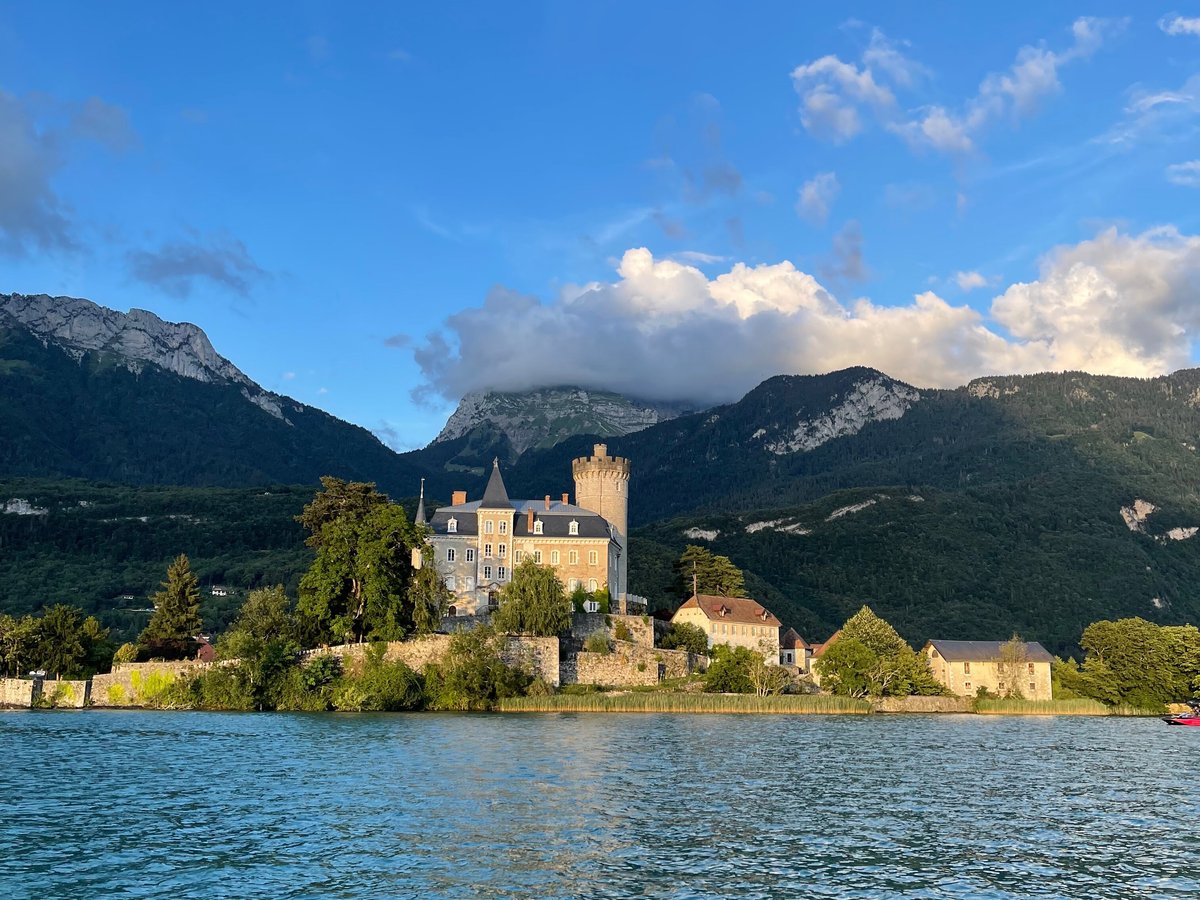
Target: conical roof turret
495, 495
420, 516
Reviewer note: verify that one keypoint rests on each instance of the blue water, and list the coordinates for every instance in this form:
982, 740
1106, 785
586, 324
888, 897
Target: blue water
180, 805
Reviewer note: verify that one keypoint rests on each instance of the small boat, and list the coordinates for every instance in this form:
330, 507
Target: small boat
1190, 718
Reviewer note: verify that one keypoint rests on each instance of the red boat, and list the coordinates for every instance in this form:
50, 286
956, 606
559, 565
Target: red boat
1192, 718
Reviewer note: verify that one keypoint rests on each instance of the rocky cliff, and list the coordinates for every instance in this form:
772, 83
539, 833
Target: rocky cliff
544, 417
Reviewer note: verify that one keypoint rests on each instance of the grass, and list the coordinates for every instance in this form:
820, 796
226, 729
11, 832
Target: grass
1015, 707
686, 703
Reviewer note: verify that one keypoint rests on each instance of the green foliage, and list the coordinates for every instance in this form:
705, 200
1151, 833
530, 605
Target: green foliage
381, 686
473, 675
729, 670
713, 574
533, 602
358, 587
685, 636
871, 659
621, 632
1134, 662
63, 642
126, 653
172, 629
430, 599
597, 642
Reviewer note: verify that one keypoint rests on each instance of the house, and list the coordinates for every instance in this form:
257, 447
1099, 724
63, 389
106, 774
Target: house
737, 621
219, 590
818, 650
966, 666
477, 544
795, 651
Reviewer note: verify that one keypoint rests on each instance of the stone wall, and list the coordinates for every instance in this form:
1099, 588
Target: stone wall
641, 628
539, 654
631, 665
17, 692
139, 684
921, 705
66, 694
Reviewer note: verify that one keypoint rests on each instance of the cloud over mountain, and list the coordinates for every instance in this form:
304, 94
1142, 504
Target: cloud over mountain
1117, 303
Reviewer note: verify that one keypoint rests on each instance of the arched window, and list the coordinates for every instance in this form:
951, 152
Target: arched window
592, 586
537, 527
470, 554
573, 528
451, 526
450, 586
573, 584
450, 554
468, 583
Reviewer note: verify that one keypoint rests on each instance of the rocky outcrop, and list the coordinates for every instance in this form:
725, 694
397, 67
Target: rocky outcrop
872, 400
138, 337
543, 417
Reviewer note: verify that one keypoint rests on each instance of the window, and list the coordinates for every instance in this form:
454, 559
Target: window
1032, 688
967, 685
573, 557
518, 555
537, 557
572, 584
723, 626
451, 526
554, 557
450, 554
537, 527
592, 586
470, 554
1031, 668
487, 527
966, 668
503, 550
573, 528
487, 573
593, 558
502, 573
450, 583
468, 583
504, 528
713, 627
487, 551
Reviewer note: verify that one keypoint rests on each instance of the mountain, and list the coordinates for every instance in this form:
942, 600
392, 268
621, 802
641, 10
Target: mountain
87, 392
544, 417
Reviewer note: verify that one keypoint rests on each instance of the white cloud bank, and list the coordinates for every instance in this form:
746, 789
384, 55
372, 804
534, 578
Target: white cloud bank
1178, 25
1118, 303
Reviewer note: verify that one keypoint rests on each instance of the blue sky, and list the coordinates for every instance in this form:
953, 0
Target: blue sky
374, 209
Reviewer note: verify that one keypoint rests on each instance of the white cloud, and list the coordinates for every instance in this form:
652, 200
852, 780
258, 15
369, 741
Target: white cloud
1157, 112
838, 98
817, 196
1121, 304
1185, 174
969, 281
289, 376
699, 258
1177, 25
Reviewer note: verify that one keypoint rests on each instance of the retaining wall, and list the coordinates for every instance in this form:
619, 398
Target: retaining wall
641, 628
922, 705
631, 665
139, 684
17, 692
538, 654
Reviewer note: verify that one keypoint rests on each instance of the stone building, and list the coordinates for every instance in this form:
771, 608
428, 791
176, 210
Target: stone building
477, 543
966, 666
795, 651
737, 621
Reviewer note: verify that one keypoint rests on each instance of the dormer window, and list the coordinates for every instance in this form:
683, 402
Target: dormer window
573, 528
537, 527
451, 526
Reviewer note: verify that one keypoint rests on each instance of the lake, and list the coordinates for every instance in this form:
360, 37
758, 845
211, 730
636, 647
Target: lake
181, 805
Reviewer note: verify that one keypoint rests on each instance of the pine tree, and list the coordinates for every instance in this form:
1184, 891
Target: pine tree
714, 575
172, 630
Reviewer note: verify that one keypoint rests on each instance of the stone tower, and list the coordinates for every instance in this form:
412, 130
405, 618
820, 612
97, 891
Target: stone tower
602, 486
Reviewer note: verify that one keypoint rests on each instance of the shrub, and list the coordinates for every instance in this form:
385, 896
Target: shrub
473, 675
685, 636
597, 642
621, 632
729, 672
126, 653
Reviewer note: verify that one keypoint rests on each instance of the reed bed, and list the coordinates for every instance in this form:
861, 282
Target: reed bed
786, 704
1015, 707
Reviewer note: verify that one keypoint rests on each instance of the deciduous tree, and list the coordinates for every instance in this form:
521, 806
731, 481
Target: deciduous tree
533, 602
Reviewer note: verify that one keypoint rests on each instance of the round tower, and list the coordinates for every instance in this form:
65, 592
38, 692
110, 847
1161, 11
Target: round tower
602, 486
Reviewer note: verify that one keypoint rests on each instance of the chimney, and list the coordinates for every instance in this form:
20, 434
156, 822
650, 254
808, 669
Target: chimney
547, 501
566, 499
530, 525
459, 498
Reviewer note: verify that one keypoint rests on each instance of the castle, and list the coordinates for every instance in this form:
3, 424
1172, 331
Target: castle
476, 544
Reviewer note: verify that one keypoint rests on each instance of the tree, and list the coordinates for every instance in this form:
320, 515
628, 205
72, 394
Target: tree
18, 644
339, 499
358, 586
685, 636
729, 671
533, 602
172, 629
877, 660
429, 598
766, 676
1137, 662
1014, 658
473, 674
714, 575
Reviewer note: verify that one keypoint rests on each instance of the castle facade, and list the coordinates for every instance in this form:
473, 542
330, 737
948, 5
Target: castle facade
476, 544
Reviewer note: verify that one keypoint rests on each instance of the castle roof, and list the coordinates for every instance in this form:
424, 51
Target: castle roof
495, 495
556, 520
987, 651
741, 610
791, 640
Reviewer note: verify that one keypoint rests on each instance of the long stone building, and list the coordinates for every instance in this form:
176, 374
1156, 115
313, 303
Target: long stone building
477, 543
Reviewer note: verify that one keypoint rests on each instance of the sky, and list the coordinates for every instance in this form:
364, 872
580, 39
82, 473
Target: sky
378, 208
